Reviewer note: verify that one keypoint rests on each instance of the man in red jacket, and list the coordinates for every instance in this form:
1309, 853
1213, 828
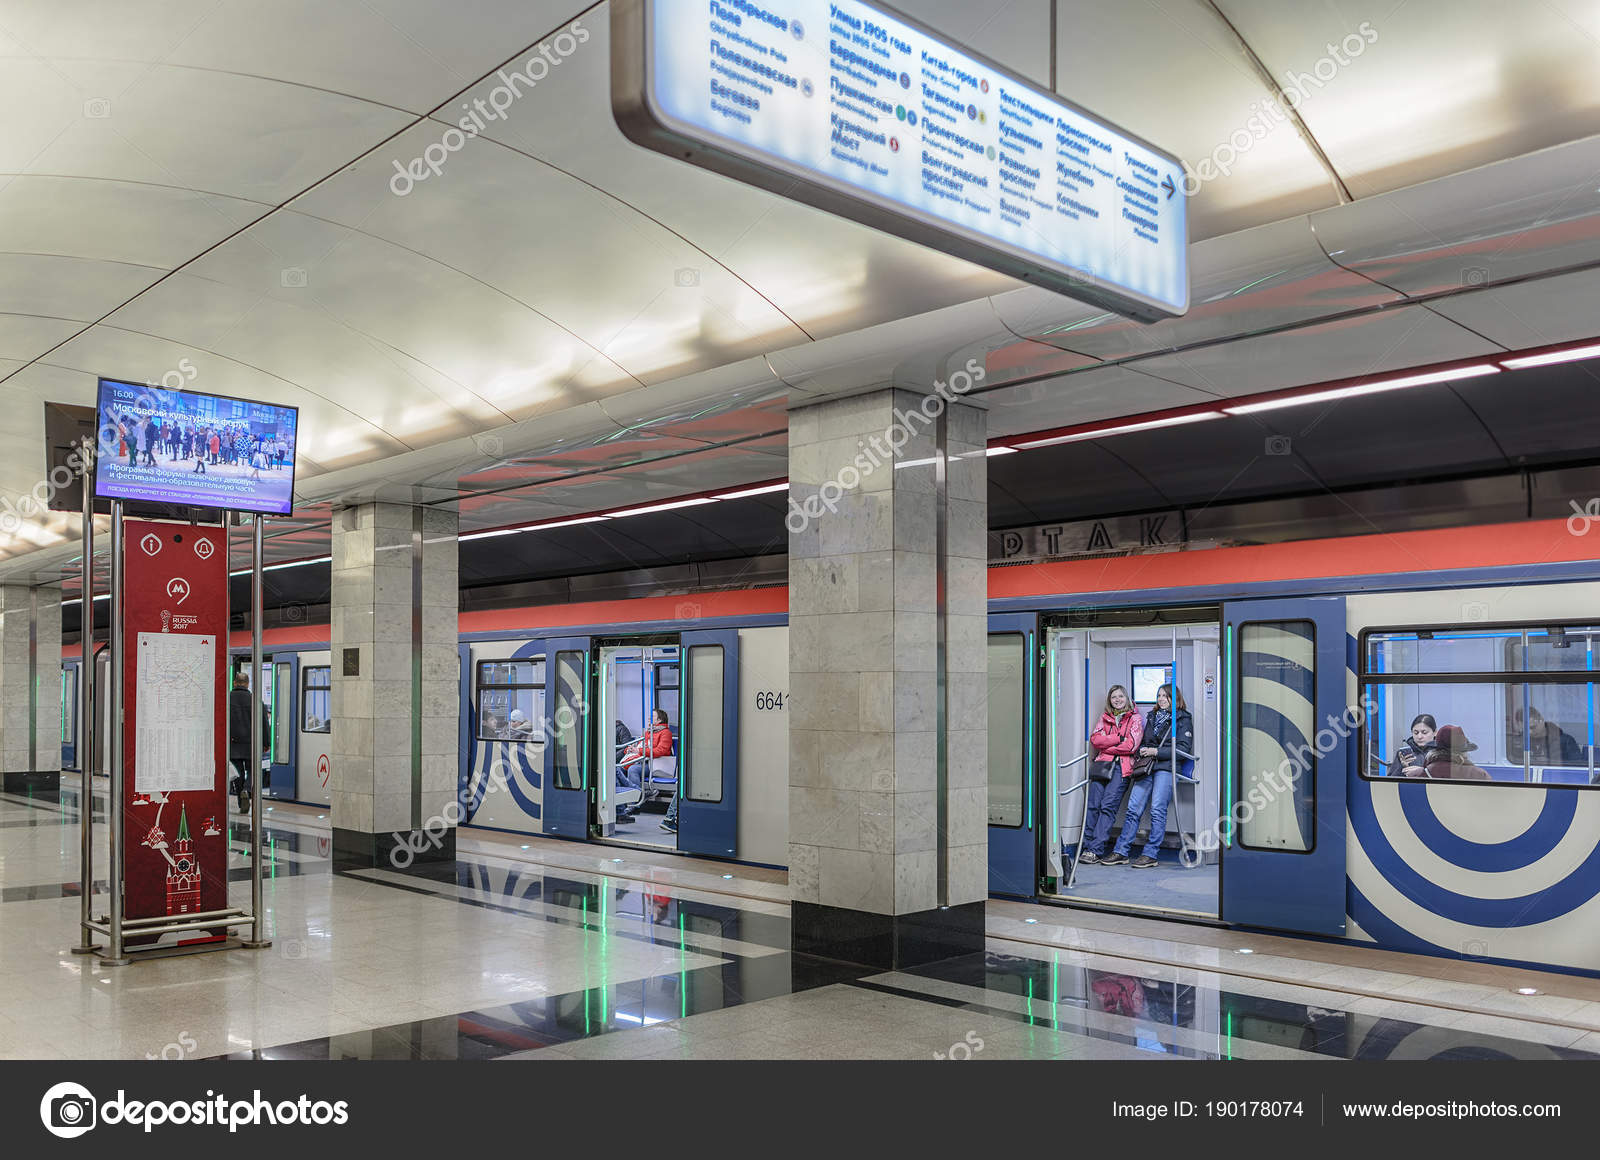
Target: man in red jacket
656, 743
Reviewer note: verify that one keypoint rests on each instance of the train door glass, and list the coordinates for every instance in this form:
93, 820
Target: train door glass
708, 776
281, 744
567, 695
1100, 814
69, 717
637, 680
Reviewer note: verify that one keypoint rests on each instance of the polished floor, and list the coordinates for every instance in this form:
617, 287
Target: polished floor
532, 950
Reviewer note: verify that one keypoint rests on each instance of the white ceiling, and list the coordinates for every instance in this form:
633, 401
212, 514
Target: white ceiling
188, 179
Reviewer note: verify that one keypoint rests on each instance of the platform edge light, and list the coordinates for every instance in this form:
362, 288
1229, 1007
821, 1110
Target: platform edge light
644, 123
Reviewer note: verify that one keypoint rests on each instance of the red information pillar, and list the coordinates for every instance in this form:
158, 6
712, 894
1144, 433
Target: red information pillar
175, 703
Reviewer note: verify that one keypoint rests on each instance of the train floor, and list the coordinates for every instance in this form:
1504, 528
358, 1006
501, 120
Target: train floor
1168, 888
532, 949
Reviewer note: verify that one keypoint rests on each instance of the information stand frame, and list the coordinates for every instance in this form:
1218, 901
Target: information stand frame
113, 925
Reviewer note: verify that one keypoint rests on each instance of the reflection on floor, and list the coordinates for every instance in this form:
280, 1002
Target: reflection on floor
495, 957
1170, 887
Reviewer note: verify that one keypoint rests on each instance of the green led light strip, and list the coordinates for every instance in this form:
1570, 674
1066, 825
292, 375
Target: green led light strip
1029, 738
1227, 736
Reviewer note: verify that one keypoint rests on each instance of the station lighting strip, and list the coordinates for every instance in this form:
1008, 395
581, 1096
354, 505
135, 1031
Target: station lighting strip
1249, 405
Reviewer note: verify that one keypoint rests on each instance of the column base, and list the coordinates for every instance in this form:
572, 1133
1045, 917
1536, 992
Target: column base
354, 850
37, 781
888, 942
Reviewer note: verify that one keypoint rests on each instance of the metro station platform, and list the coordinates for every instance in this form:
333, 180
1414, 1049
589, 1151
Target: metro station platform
548, 950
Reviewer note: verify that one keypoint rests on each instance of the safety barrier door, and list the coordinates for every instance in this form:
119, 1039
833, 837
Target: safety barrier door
708, 758
567, 762
70, 706
1013, 714
1285, 745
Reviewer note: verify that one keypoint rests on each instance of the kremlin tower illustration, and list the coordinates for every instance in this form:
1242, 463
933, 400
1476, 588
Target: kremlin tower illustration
183, 873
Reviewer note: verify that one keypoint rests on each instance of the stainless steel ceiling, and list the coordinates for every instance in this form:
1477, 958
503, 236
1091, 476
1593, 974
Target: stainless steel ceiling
560, 310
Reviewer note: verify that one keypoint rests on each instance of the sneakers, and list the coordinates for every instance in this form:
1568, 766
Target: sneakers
670, 827
1113, 859
1088, 858
1145, 862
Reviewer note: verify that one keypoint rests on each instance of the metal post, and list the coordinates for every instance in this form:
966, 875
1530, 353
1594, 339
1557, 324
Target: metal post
115, 808
257, 937
86, 730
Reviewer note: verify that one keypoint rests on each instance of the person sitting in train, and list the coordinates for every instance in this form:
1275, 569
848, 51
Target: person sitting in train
517, 726
1411, 759
1547, 742
656, 743
1166, 745
1113, 744
1448, 758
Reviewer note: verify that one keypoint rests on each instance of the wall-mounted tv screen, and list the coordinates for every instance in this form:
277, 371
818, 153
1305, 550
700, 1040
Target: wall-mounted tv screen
188, 449
1147, 679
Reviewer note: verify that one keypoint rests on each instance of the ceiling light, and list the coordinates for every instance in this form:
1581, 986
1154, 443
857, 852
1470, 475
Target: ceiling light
750, 491
993, 451
1372, 388
535, 527
916, 462
1572, 354
663, 507
1121, 429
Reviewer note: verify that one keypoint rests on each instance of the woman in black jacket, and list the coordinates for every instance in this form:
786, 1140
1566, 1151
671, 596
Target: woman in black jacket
1168, 739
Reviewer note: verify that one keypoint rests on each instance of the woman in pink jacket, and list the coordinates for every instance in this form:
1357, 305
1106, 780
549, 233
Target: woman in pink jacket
1113, 744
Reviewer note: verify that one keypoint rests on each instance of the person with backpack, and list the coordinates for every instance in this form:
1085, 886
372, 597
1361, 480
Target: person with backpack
1167, 742
239, 739
1113, 744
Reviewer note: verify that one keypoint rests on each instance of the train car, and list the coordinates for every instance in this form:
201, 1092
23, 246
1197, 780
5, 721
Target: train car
296, 687
554, 712
1304, 803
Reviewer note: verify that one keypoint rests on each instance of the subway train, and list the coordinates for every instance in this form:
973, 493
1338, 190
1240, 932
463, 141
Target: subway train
1393, 736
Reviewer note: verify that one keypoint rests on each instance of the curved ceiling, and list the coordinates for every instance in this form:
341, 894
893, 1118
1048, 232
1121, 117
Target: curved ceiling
217, 182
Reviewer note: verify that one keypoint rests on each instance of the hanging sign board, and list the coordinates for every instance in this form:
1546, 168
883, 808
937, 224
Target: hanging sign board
860, 111
174, 626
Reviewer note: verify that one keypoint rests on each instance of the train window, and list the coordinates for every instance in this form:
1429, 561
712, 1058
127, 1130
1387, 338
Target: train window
282, 710
703, 738
566, 727
511, 700
316, 699
1508, 704
1277, 723
1008, 728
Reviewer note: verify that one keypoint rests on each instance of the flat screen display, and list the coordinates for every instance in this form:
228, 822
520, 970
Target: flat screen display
861, 102
188, 449
1147, 679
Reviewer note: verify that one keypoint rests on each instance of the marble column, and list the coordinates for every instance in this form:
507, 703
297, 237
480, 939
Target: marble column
30, 688
396, 685
888, 748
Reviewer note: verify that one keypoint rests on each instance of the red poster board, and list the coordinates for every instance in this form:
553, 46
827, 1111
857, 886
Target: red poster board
175, 785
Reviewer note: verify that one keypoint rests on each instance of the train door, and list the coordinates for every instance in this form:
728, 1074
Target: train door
1283, 825
637, 679
1145, 831
314, 734
1012, 701
568, 761
282, 679
69, 715
708, 762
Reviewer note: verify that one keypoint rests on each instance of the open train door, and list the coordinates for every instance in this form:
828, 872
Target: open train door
1013, 732
708, 749
567, 764
1285, 742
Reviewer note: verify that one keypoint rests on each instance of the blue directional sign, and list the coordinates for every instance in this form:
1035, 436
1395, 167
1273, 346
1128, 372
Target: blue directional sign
860, 111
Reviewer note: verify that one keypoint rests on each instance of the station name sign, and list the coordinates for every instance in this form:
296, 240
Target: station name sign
860, 111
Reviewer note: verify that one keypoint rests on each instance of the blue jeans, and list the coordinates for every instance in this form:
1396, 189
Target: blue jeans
1105, 799
672, 810
1160, 782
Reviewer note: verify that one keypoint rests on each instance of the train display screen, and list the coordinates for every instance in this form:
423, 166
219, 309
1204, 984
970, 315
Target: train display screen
901, 129
189, 449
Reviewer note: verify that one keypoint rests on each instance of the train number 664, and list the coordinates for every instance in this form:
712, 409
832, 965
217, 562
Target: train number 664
767, 699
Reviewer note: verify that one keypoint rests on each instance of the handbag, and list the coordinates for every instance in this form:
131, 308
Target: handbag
1104, 770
